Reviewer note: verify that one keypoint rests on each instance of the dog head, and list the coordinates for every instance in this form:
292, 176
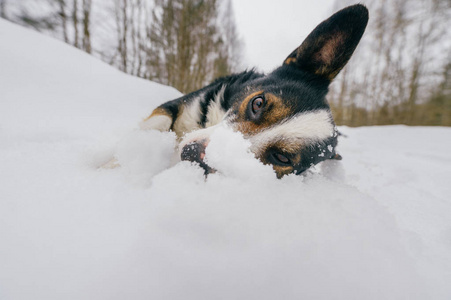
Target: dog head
285, 114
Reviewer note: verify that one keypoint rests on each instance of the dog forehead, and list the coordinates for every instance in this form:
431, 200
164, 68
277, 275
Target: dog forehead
298, 95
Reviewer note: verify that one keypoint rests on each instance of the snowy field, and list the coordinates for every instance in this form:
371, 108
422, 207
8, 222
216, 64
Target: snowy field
376, 225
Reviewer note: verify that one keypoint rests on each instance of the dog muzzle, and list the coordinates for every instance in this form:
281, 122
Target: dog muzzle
195, 152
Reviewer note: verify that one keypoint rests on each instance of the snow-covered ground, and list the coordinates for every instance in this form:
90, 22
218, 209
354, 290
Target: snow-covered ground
376, 225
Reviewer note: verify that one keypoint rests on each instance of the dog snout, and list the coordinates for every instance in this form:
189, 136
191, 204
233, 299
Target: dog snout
195, 152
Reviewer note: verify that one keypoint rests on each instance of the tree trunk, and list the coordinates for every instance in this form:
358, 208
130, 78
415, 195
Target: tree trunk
3, 9
87, 4
75, 22
124, 35
63, 17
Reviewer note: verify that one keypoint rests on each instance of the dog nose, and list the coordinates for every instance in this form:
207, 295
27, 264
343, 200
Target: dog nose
195, 152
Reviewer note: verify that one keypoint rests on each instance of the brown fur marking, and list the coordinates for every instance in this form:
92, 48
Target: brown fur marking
159, 111
282, 170
275, 110
290, 60
327, 55
245, 103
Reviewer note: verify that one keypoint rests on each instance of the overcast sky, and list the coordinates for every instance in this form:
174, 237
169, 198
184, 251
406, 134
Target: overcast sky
272, 29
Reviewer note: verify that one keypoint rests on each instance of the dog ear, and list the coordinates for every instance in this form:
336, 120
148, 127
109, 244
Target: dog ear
327, 49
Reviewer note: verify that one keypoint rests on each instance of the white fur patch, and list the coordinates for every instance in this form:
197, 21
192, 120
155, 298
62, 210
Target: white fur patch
215, 112
305, 128
189, 119
158, 122
302, 129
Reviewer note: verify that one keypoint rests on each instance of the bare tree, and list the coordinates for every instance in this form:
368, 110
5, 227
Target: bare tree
3, 4
190, 42
122, 27
63, 16
75, 23
232, 44
87, 5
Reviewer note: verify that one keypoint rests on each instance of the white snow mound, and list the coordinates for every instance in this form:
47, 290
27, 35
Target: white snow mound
374, 226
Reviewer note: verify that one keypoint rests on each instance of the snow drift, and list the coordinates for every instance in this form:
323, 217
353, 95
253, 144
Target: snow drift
374, 226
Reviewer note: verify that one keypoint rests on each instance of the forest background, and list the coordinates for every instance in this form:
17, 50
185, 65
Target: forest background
400, 73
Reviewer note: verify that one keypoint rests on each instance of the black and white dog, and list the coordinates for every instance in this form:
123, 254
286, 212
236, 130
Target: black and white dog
283, 114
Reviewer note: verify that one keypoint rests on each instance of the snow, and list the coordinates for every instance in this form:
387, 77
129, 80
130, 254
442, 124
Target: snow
375, 225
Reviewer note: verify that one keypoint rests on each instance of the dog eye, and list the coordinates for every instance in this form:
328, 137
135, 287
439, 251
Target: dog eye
257, 104
282, 158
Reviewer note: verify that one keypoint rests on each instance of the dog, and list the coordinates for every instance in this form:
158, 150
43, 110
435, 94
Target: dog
284, 114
